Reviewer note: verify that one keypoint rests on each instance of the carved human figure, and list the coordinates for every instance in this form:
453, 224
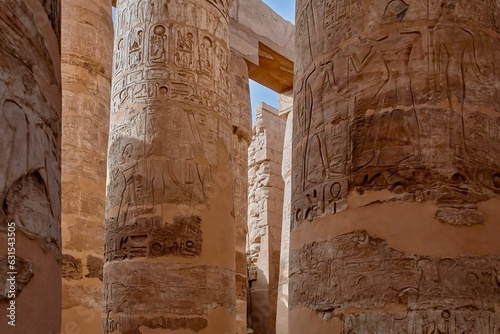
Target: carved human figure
206, 50
312, 118
127, 169
158, 44
454, 52
392, 131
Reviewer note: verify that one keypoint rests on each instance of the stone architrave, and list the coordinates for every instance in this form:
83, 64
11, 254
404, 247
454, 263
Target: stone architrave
286, 107
170, 226
396, 167
30, 172
265, 211
87, 56
241, 115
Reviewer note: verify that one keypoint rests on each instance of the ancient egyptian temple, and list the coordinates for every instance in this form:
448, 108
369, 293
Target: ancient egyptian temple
138, 195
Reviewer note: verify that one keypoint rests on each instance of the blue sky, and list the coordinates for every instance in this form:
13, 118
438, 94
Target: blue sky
259, 93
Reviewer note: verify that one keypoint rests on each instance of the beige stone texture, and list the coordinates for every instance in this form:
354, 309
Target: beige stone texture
241, 116
265, 216
282, 314
266, 41
30, 179
87, 56
396, 168
170, 223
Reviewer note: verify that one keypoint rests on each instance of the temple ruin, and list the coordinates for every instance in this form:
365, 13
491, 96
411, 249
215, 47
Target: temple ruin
137, 197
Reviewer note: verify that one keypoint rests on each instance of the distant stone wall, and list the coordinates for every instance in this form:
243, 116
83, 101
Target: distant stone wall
265, 216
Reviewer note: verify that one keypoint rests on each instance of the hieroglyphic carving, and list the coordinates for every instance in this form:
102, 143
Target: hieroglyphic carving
397, 95
147, 238
357, 270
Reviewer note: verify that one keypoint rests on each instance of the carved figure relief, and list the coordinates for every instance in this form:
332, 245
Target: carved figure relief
158, 44
206, 54
389, 97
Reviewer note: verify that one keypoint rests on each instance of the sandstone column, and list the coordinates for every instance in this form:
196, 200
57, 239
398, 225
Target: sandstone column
170, 230
241, 115
30, 174
87, 47
286, 106
396, 167
265, 216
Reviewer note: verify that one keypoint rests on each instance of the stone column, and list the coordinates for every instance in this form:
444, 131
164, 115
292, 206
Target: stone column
396, 167
241, 114
30, 170
170, 229
87, 48
286, 107
265, 216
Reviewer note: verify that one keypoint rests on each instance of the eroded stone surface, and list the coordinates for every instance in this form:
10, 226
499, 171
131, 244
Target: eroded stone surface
30, 111
356, 270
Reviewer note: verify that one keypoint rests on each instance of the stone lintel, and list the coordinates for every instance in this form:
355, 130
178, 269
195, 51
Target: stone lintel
266, 41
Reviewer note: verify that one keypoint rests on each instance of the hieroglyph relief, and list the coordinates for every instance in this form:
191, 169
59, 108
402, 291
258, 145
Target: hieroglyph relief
356, 270
169, 106
398, 95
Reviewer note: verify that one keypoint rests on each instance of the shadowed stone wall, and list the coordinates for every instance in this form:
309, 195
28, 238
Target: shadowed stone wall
30, 170
241, 114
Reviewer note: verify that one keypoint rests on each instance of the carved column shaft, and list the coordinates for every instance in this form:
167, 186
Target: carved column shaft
30, 171
170, 232
87, 48
286, 108
242, 127
396, 167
